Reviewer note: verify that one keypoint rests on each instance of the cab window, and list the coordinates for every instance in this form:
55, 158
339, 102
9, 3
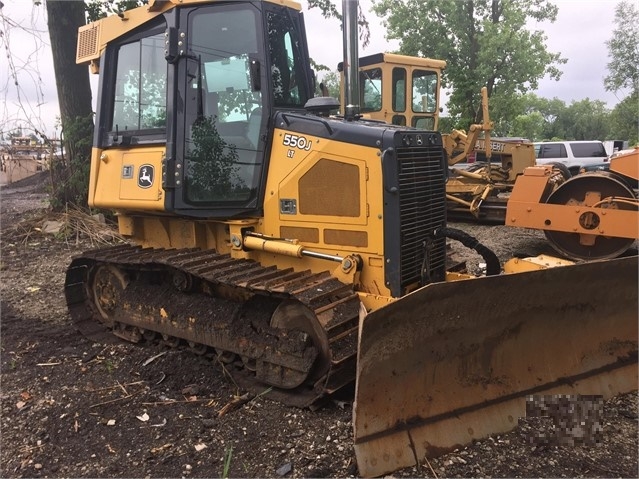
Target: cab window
424, 122
399, 89
139, 102
371, 89
286, 62
424, 91
223, 100
399, 120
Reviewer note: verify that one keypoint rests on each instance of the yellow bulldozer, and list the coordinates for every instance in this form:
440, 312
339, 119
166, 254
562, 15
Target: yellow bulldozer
307, 251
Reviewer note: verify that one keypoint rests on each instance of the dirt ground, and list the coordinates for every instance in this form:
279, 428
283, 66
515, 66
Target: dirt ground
71, 408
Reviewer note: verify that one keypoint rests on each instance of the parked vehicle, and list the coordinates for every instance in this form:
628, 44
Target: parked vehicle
613, 146
576, 155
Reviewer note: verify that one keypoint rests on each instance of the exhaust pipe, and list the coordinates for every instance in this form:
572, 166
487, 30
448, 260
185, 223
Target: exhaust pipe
351, 58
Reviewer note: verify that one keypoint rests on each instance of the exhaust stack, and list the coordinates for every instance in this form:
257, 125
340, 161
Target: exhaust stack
351, 58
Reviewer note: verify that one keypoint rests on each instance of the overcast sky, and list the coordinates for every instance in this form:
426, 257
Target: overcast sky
579, 34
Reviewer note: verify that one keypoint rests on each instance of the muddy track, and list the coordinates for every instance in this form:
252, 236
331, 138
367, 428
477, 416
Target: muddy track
217, 304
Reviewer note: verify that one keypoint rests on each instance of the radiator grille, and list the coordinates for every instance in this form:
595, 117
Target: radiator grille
88, 37
422, 197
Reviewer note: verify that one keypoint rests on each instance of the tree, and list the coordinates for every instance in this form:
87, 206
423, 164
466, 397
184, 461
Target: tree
331, 81
97, 9
72, 80
71, 177
329, 10
585, 120
530, 126
623, 74
624, 121
538, 113
484, 42
545, 119
623, 49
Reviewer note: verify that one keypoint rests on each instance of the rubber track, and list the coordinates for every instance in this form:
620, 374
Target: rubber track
335, 303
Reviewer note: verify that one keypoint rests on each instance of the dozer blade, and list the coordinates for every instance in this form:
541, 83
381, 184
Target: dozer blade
453, 362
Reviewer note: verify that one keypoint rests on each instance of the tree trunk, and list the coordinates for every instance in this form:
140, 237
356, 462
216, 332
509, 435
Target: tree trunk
70, 177
72, 80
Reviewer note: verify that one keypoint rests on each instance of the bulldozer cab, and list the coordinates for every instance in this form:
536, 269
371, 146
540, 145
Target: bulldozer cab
399, 89
192, 91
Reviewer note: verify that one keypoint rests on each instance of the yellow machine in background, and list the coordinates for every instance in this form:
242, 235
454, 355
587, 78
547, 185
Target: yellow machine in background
482, 188
511, 190
594, 215
399, 89
306, 251
405, 90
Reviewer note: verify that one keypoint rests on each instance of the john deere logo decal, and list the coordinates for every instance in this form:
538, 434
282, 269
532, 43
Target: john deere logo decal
145, 176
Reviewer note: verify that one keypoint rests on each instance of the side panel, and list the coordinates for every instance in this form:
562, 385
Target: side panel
315, 182
327, 194
127, 179
454, 362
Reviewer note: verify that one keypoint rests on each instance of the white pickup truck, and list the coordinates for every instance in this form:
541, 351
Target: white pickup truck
576, 155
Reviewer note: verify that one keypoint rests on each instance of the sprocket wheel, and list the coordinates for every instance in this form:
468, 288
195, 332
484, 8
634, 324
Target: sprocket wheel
106, 286
294, 316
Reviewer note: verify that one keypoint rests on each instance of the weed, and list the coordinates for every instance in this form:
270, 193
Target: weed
109, 365
228, 454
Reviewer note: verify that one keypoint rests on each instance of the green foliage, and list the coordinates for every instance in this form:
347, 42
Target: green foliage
551, 111
110, 366
332, 82
70, 173
97, 9
624, 120
543, 119
585, 120
529, 126
623, 72
484, 42
448, 124
623, 49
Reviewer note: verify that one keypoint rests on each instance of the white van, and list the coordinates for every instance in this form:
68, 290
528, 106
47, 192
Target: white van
574, 154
